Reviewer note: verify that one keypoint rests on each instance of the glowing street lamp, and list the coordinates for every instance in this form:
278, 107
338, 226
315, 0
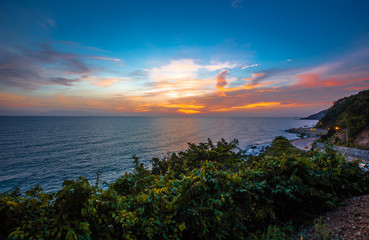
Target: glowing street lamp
337, 128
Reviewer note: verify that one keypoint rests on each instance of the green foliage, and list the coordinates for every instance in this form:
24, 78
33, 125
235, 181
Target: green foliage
351, 113
222, 153
281, 145
206, 192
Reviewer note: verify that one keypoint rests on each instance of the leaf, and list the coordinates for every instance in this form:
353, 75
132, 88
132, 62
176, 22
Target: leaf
14, 204
182, 227
70, 235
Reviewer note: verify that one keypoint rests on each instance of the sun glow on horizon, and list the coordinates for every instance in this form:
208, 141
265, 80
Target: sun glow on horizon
188, 111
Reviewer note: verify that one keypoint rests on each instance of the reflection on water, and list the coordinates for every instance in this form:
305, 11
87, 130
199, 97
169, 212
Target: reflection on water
59, 148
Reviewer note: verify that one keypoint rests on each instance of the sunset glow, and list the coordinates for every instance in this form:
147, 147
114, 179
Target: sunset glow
154, 59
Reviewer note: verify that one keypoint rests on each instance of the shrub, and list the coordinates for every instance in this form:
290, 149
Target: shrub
207, 192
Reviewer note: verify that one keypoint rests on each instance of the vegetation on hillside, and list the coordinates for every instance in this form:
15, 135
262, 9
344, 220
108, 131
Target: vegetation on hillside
209, 191
316, 116
347, 118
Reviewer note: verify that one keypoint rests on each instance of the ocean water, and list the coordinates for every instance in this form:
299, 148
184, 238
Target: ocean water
48, 150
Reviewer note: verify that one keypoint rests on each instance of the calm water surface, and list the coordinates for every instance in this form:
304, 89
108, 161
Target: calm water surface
53, 149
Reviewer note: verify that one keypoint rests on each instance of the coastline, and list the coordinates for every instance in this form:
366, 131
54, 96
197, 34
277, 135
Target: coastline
308, 131
303, 143
307, 136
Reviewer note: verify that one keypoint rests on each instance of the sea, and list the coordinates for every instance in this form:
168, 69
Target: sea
49, 150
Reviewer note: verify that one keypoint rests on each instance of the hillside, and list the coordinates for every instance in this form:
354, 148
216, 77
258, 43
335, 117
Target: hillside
348, 121
316, 116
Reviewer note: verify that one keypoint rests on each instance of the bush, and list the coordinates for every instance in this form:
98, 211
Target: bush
207, 192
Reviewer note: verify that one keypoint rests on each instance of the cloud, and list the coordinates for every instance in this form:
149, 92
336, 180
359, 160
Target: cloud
14, 100
273, 75
51, 22
44, 21
139, 75
258, 105
35, 66
182, 106
177, 69
255, 76
182, 86
107, 82
221, 82
82, 45
106, 58
64, 81
47, 55
236, 3
102, 82
312, 80
258, 79
218, 66
352, 69
252, 65
221, 79
287, 61
180, 78
184, 69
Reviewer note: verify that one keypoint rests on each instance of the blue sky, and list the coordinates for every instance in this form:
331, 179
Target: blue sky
136, 57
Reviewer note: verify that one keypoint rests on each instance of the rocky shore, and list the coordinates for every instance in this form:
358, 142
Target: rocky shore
308, 132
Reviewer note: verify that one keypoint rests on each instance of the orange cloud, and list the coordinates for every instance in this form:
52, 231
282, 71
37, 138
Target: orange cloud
142, 108
182, 106
252, 86
187, 111
247, 106
14, 100
259, 104
264, 105
248, 87
221, 110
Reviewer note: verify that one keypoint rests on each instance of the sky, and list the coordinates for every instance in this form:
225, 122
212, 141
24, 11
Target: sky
276, 58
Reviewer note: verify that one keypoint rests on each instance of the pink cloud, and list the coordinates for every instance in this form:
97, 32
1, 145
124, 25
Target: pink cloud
221, 82
254, 76
221, 79
311, 80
